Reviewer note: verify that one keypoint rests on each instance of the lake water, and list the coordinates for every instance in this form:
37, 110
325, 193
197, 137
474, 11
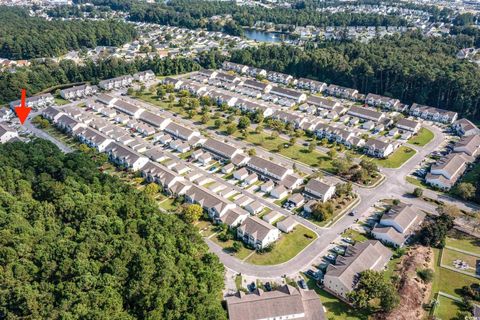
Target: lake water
265, 36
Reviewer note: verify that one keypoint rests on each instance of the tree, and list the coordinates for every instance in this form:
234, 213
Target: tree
418, 192
311, 147
293, 140
252, 152
231, 128
191, 213
237, 246
259, 129
426, 275
323, 211
465, 190
71, 219
217, 123
151, 189
373, 285
434, 230
205, 118
332, 153
280, 147
243, 123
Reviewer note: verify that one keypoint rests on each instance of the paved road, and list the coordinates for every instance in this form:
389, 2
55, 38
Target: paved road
42, 134
394, 187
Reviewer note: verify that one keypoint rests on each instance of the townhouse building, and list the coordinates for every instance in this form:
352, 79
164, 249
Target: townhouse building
433, 114
398, 224
36, 102
78, 92
342, 92
464, 127
7, 133
257, 233
269, 169
285, 302
116, 83
311, 85
377, 148
124, 157
376, 100
319, 190
341, 277
366, 114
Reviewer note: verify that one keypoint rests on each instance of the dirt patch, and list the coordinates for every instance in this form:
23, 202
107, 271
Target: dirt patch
413, 292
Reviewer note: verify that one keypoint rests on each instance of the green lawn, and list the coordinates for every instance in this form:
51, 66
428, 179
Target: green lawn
449, 256
449, 281
396, 159
355, 235
238, 281
169, 205
287, 247
60, 101
465, 242
205, 227
227, 247
295, 152
335, 308
422, 137
447, 308
473, 175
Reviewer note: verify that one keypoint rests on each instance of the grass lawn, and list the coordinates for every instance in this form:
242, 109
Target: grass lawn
449, 256
422, 137
396, 159
416, 182
205, 227
295, 152
168, 205
447, 308
355, 235
287, 247
449, 281
227, 247
336, 309
61, 101
473, 175
238, 281
465, 242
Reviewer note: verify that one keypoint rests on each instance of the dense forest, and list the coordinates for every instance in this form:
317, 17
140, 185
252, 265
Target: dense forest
79, 244
195, 14
25, 37
48, 74
409, 67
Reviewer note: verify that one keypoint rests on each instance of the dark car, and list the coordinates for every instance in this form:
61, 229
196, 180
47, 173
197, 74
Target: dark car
302, 284
268, 286
252, 287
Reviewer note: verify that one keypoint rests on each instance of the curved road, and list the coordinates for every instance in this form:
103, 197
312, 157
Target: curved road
394, 186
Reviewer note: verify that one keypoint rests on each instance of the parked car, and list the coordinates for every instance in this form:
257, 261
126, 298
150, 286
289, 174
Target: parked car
302, 284
252, 287
331, 257
312, 274
268, 286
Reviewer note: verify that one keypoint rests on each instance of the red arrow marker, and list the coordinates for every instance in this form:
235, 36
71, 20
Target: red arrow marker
22, 110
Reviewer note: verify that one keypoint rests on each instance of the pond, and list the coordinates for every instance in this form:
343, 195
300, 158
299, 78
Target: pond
266, 36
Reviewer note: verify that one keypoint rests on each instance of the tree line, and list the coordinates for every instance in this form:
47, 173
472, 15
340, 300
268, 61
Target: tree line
79, 244
410, 67
26, 37
42, 75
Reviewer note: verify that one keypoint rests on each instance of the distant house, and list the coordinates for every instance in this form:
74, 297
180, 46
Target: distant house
408, 125
268, 168
257, 233
433, 114
144, 76
341, 277
7, 133
319, 190
366, 114
254, 207
342, 92
125, 157
287, 225
464, 127
375, 100
377, 148
398, 224
285, 302
78, 92
241, 174
36, 102
311, 85
214, 205
234, 217
116, 83
447, 171
279, 192
221, 149
469, 145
